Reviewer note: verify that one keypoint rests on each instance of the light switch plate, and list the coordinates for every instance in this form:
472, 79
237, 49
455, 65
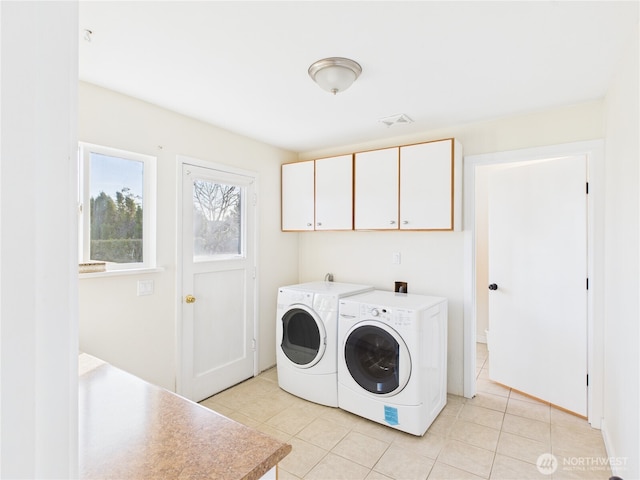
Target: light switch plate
145, 287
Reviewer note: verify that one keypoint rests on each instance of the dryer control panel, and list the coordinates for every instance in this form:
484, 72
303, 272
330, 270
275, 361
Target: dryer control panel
287, 297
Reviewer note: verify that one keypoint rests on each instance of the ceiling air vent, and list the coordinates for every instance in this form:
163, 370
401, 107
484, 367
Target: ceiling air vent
398, 119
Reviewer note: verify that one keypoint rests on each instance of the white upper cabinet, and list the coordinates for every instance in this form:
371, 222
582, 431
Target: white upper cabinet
297, 196
334, 193
376, 190
318, 195
412, 187
429, 196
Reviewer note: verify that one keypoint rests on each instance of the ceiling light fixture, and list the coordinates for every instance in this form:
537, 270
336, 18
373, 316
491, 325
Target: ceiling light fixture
335, 74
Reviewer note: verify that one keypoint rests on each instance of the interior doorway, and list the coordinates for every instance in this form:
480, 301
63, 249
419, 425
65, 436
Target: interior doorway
476, 291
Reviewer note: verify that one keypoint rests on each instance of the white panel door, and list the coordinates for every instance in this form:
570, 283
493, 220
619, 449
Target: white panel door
218, 281
426, 186
298, 196
376, 190
537, 276
334, 193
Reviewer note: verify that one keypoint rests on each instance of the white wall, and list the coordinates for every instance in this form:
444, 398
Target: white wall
38, 279
138, 333
621, 425
433, 262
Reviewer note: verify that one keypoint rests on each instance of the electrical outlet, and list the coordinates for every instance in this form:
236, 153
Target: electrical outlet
401, 287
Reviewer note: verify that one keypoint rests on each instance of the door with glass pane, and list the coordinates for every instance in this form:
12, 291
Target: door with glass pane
218, 281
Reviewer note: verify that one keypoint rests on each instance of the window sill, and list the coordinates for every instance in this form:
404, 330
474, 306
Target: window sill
118, 273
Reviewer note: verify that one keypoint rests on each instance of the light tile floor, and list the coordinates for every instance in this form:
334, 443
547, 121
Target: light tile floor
499, 434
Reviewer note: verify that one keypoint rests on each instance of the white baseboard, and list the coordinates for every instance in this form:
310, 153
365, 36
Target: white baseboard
609, 448
605, 437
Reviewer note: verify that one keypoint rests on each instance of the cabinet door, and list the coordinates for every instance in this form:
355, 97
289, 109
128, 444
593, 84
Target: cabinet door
297, 196
426, 186
334, 193
376, 190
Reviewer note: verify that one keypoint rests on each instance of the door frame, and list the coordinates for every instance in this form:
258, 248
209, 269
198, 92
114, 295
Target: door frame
594, 151
182, 160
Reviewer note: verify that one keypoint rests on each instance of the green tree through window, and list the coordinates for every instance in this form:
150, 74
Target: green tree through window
117, 207
116, 227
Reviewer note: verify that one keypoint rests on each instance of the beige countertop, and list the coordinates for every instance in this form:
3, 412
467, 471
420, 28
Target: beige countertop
130, 429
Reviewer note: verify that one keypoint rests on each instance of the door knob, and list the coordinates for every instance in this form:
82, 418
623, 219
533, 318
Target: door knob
493, 286
190, 299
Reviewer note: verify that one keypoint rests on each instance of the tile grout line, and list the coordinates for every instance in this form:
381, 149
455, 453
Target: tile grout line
504, 414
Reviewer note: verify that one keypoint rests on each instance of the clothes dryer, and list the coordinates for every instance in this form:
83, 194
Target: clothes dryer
392, 358
307, 338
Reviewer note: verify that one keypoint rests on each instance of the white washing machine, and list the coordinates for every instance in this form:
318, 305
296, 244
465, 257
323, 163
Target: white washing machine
392, 359
307, 336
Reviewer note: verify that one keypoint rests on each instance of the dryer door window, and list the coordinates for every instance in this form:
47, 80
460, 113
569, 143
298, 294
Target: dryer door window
377, 359
303, 337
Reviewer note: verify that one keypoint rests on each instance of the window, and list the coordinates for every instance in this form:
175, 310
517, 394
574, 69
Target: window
117, 207
217, 216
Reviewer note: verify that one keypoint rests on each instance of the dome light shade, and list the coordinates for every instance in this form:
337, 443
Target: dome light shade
335, 74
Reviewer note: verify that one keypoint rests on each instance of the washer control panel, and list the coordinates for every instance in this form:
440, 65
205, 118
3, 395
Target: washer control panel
376, 312
398, 317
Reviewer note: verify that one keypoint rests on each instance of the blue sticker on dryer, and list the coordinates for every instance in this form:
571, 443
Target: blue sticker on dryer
391, 415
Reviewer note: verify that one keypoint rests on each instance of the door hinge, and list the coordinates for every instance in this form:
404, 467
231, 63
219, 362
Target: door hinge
255, 199
253, 344
254, 272
587, 188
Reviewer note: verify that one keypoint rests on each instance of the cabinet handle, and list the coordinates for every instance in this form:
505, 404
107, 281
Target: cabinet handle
309, 224
405, 222
319, 224
392, 222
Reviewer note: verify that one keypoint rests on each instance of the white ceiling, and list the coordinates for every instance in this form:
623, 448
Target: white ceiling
243, 65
